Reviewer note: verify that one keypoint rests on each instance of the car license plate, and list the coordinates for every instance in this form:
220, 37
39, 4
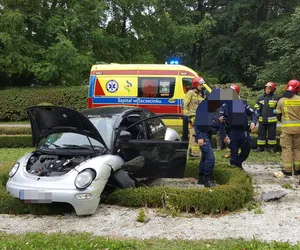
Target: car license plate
35, 196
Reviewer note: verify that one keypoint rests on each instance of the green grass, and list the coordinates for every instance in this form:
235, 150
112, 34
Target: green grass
8, 156
87, 241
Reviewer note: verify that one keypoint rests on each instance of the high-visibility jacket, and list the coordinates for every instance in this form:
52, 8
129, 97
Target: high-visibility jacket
290, 110
265, 107
191, 101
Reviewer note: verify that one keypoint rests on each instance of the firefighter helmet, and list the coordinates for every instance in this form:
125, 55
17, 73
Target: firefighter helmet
272, 85
293, 86
236, 88
196, 81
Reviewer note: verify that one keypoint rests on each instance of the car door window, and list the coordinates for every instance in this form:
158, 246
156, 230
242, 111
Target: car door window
138, 131
156, 127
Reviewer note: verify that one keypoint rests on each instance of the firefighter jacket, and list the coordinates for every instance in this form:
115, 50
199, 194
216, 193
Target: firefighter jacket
265, 106
289, 108
236, 116
191, 101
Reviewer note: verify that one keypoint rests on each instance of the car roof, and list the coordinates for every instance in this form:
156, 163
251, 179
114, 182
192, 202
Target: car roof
109, 110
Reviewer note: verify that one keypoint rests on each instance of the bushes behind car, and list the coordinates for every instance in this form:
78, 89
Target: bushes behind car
13, 102
233, 193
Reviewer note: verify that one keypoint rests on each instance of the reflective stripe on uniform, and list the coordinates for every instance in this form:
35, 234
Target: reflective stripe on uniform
278, 111
292, 103
260, 119
291, 123
261, 142
256, 106
272, 142
272, 119
287, 166
262, 102
286, 113
297, 165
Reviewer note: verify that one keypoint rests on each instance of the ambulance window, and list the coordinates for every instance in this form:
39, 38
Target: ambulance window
156, 87
186, 84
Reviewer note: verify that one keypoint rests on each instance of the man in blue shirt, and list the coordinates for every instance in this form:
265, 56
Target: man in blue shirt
235, 115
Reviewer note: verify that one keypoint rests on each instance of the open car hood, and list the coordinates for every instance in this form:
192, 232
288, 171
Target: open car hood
46, 120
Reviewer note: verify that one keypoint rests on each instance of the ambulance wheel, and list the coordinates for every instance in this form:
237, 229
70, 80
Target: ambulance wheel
123, 180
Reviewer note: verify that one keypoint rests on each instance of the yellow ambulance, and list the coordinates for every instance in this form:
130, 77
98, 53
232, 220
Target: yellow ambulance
157, 87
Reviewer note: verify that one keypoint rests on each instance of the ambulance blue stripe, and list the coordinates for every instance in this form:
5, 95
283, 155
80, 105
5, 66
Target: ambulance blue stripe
134, 100
92, 84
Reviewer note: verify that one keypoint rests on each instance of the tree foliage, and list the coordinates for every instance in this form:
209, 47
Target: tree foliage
56, 41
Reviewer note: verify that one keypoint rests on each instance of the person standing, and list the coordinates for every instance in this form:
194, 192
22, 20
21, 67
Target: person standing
192, 99
265, 108
288, 113
206, 124
235, 115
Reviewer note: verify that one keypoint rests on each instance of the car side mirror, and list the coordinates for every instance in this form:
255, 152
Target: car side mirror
124, 135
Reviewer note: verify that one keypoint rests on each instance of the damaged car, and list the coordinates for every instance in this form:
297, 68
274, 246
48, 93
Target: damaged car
77, 154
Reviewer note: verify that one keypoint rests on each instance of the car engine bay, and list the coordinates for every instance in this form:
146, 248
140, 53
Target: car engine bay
53, 165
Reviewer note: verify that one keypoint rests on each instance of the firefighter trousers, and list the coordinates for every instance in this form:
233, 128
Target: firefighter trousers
193, 145
290, 145
266, 131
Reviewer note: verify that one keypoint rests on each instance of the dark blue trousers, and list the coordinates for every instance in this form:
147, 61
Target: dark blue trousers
239, 139
207, 162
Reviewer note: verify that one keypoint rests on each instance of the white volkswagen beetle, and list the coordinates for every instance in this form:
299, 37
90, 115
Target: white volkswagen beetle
78, 153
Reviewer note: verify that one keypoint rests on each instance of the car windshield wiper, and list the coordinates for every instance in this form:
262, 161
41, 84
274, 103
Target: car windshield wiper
74, 146
52, 144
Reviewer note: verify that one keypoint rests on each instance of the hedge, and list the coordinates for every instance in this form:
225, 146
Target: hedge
24, 141
15, 130
15, 141
234, 192
13, 102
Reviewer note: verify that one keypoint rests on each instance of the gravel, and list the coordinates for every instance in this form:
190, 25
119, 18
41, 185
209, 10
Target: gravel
277, 220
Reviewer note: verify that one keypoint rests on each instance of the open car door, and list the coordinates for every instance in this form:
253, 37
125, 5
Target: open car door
163, 158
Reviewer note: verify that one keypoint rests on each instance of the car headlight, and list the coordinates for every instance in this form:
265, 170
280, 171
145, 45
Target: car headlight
85, 178
14, 169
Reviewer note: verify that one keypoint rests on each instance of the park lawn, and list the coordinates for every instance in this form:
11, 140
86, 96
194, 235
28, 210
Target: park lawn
87, 241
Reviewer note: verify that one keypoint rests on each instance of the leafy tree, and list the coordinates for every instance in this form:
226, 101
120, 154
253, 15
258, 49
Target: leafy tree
284, 51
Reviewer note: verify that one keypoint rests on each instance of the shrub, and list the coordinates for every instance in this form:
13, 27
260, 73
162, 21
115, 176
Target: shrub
233, 193
15, 130
15, 141
14, 101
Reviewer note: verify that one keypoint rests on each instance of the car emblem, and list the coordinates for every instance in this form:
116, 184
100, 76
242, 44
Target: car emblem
112, 86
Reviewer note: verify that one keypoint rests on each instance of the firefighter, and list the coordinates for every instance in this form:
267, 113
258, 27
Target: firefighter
288, 113
192, 99
237, 136
265, 106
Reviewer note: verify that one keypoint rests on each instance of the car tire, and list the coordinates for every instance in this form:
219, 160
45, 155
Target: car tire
123, 179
